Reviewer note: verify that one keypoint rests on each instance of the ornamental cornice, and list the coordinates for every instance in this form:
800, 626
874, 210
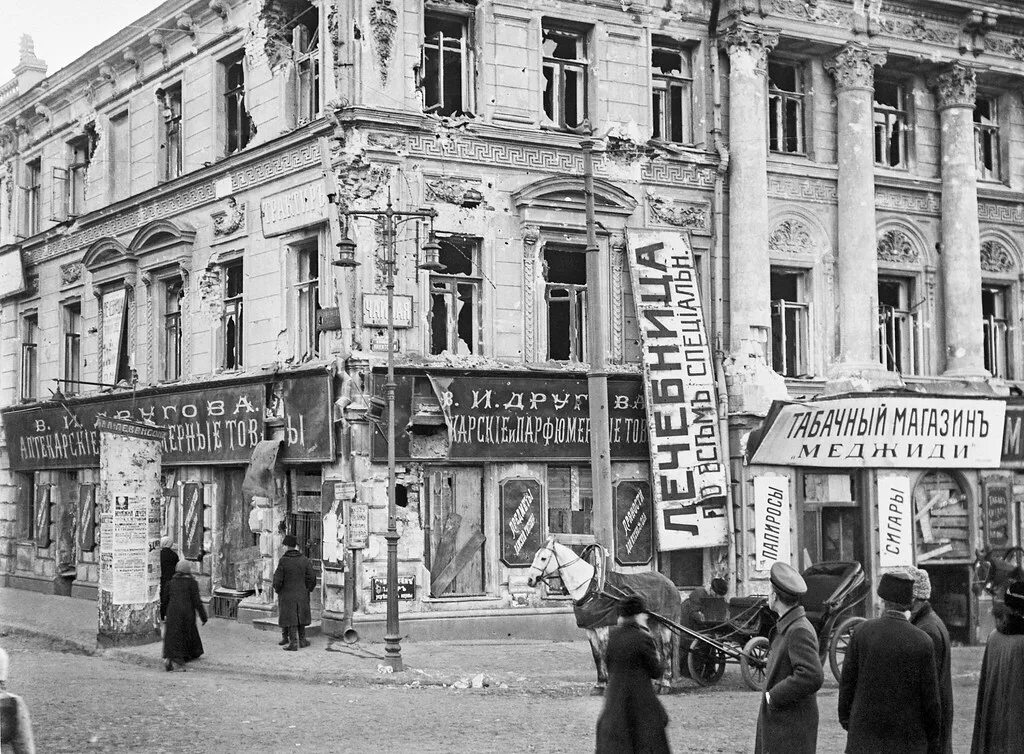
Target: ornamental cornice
853, 67
754, 40
816, 12
956, 86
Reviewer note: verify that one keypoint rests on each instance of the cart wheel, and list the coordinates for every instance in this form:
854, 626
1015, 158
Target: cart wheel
706, 664
840, 642
754, 663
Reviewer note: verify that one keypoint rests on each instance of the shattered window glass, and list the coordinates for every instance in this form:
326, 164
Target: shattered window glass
453, 316
565, 294
445, 64
565, 76
671, 93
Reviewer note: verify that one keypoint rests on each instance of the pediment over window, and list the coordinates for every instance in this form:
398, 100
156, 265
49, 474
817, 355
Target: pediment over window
161, 234
567, 194
107, 259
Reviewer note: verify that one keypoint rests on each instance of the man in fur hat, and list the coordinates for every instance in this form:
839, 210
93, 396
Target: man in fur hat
889, 692
924, 617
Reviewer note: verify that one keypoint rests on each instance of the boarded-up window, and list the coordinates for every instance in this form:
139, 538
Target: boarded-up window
940, 509
455, 540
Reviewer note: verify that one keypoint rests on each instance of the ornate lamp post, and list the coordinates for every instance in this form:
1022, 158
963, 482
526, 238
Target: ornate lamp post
390, 219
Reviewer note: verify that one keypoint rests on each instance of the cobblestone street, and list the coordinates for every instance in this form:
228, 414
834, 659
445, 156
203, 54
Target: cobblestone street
94, 704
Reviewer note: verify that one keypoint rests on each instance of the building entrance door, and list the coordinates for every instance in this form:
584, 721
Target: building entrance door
833, 519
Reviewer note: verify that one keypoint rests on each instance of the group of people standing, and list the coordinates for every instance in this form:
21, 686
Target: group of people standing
895, 693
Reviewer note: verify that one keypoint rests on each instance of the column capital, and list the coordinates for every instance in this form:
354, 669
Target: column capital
853, 67
956, 86
747, 37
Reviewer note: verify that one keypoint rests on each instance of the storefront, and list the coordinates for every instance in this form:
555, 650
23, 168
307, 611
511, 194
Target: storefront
889, 480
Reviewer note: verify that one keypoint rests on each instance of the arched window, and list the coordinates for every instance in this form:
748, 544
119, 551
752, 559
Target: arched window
940, 507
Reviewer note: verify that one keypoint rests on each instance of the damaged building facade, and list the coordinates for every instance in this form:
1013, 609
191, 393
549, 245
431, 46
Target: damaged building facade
165, 214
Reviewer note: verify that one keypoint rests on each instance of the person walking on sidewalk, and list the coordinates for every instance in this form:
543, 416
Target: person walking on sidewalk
294, 579
788, 718
181, 637
15, 725
889, 691
998, 723
633, 720
168, 561
924, 617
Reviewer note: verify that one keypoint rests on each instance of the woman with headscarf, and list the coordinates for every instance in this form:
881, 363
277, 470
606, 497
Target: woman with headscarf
181, 637
15, 725
998, 723
168, 561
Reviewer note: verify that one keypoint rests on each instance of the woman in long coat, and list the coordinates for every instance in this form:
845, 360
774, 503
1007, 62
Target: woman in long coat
168, 562
181, 637
998, 723
633, 719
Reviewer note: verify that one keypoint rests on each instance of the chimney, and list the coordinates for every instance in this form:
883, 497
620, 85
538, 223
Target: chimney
30, 69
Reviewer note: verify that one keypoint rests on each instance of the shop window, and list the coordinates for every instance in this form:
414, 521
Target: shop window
899, 342
565, 71
455, 538
32, 190
785, 108
26, 513
685, 568
304, 512
173, 297
565, 296
890, 116
30, 357
943, 522
445, 64
239, 126
453, 318
231, 318
170, 132
306, 54
832, 519
672, 83
72, 325
570, 501
789, 322
995, 327
986, 138
307, 298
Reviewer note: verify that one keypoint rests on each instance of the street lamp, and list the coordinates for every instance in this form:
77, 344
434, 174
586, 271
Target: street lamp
390, 219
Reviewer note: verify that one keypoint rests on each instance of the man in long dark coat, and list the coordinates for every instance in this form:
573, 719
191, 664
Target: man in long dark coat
924, 617
998, 722
294, 579
181, 637
788, 718
889, 691
632, 720
168, 562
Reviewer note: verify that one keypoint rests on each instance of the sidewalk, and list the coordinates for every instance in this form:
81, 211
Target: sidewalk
69, 624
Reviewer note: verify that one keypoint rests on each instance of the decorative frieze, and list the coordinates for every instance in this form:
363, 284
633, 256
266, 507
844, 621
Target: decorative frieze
452, 191
895, 246
801, 189
816, 11
1010, 46
691, 216
791, 237
956, 86
853, 67
756, 41
995, 257
917, 29
915, 202
1006, 214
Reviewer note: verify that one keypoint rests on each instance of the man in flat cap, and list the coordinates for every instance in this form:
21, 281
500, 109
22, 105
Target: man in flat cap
788, 718
924, 617
889, 691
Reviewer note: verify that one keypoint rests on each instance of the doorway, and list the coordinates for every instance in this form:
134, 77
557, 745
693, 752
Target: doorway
833, 519
455, 535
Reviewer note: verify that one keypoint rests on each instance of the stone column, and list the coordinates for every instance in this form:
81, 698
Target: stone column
853, 68
961, 244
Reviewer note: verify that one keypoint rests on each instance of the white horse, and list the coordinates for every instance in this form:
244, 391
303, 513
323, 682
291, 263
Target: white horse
596, 612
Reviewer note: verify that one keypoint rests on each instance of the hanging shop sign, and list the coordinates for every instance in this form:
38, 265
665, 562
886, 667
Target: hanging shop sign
87, 517
293, 209
12, 272
211, 425
996, 508
307, 407
679, 378
1013, 436
192, 521
634, 529
895, 522
772, 517
882, 431
520, 521
375, 310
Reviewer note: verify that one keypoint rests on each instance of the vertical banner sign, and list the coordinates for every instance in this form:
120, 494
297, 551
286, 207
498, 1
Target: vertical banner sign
192, 521
42, 511
895, 522
634, 531
772, 514
87, 517
114, 311
520, 521
686, 458
997, 513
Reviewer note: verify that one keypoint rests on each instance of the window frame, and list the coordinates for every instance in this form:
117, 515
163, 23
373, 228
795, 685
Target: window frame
454, 280
307, 340
466, 58
237, 134
308, 74
71, 346
78, 173
581, 64
799, 96
664, 83
904, 323
33, 194
577, 298
889, 115
801, 310
171, 326
232, 305
987, 131
1001, 324
29, 362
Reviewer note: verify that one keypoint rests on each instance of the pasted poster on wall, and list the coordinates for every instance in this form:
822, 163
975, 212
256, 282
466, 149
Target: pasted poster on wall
687, 466
634, 527
996, 507
192, 521
520, 521
895, 521
772, 517
114, 312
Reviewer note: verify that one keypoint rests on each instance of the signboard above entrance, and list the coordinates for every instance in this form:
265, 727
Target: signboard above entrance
883, 431
293, 209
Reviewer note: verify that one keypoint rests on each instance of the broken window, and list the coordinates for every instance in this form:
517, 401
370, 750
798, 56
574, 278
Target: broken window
32, 189
789, 323
565, 294
570, 500
30, 357
986, 138
898, 335
174, 294
455, 298
307, 298
455, 532
785, 108
170, 131
565, 76
305, 43
890, 124
231, 319
80, 152
72, 325
239, 124
995, 326
445, 64
672, 83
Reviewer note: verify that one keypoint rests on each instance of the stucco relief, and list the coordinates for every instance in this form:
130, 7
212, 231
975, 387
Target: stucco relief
791, 237
618, 248
680, 215
70, 273
995, 257
755, 41
384, 21
853, 67
917, 29
895, 246
1012, 46
229, 220
813, 10
531, 234
956, 86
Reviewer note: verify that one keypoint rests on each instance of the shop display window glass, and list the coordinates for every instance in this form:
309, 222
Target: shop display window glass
943, 520
570, 501
832, 519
